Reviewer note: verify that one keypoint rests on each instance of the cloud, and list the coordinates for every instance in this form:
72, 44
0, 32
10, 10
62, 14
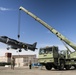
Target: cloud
4, 9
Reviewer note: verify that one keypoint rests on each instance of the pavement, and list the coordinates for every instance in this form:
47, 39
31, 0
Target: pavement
33, 71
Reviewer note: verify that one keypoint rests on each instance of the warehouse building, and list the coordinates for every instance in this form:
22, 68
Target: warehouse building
20, 60
23, 60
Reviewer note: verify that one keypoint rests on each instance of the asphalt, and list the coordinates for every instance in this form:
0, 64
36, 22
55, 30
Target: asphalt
33, 71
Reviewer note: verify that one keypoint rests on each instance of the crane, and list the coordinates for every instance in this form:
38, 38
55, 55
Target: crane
54, 31
54, 58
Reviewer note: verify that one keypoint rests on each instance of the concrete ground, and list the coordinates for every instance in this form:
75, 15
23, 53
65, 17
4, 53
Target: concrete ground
33, 71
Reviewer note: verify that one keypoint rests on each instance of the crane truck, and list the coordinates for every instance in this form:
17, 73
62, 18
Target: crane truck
50, 57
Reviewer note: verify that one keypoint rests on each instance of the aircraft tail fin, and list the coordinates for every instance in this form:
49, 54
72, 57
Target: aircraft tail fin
34, 46
31, 47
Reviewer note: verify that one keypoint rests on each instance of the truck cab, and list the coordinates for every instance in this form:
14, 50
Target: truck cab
50, 57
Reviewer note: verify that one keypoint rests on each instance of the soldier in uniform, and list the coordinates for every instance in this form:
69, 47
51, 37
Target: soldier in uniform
30, 65
12, 63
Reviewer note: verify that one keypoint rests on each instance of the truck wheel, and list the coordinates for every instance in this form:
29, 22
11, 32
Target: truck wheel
55, 67
75, 67
48, 67
61, 66
67, 67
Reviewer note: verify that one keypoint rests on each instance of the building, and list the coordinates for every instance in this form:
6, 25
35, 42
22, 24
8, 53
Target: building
20, 60
23, 60
6, 58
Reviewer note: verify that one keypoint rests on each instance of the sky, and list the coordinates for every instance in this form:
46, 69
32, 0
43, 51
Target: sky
60, 14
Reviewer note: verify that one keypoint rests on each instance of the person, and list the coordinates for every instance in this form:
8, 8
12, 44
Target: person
12, 63
30, 65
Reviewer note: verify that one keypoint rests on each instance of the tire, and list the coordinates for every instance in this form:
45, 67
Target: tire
8, 48
61, 67
20, 50
55, 67
48, 67
75, 67
67, 67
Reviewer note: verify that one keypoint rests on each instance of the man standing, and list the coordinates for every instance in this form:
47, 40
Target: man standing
30, 65
12, 63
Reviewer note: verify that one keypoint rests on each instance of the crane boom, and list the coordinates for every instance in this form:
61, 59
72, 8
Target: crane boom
54, 31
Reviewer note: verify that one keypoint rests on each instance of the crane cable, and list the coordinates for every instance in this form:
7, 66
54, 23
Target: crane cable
18, 35
18, 25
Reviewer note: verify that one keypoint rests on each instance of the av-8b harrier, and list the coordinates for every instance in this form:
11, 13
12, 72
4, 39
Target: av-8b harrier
14, 44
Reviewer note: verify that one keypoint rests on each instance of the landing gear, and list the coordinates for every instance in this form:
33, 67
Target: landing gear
20, 50
8, 48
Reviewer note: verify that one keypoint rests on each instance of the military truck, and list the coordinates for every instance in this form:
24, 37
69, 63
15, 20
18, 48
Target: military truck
55, 59
52, 57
